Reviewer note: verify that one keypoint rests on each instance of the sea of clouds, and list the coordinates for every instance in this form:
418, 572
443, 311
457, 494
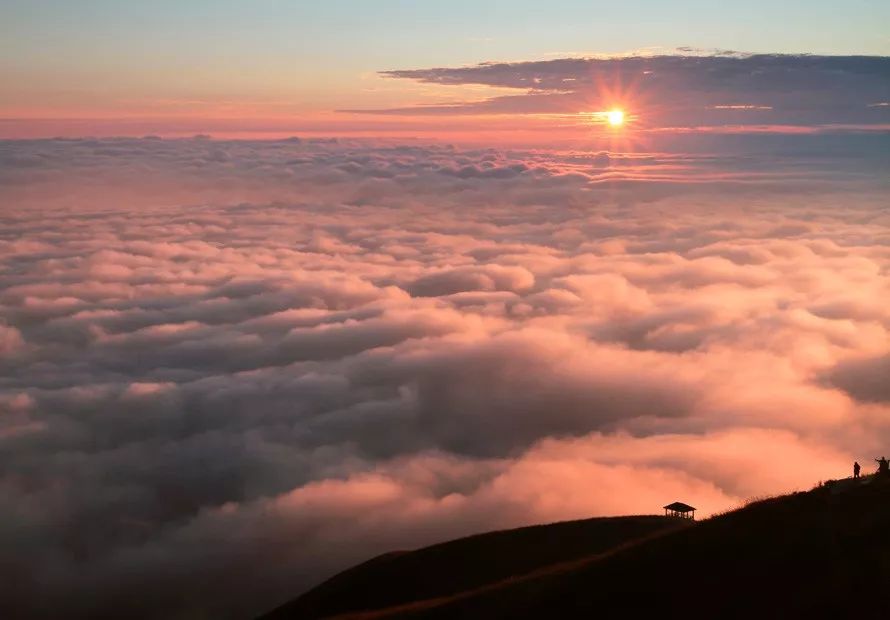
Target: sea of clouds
230, 369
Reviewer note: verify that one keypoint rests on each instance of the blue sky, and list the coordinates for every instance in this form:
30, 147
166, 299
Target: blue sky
347, 36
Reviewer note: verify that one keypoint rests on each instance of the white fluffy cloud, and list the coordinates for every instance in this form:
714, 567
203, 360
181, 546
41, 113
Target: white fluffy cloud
249, 364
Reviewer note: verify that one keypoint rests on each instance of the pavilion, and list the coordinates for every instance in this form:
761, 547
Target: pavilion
679, 509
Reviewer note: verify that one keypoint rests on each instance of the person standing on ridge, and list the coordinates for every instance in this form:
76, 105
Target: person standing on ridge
883, 465
856, 469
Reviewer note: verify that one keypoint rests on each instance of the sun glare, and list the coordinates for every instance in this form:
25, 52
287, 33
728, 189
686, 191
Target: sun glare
615, 117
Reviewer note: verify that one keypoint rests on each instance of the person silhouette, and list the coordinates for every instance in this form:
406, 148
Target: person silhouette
883, 465
856, 469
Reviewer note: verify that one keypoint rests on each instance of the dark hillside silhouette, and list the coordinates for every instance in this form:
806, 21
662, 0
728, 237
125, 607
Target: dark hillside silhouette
456, 566
817, 554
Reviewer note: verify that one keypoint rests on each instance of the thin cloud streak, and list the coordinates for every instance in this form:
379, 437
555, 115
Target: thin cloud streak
676, 90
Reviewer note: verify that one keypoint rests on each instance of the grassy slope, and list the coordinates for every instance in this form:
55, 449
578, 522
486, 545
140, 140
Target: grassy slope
821, 554
465, 564
824, 553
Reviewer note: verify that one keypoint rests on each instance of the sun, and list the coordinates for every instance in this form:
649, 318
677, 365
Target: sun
615, 117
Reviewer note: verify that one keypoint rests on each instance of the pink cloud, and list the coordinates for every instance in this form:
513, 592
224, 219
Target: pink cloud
259, 362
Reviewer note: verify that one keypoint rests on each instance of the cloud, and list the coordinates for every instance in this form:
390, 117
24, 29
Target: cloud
229, 369
677, 90
864, 379
484, 278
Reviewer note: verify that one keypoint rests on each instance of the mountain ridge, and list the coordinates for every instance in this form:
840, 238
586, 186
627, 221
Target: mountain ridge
808, 554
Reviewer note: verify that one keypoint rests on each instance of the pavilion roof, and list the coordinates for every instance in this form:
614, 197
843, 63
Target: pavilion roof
680, 507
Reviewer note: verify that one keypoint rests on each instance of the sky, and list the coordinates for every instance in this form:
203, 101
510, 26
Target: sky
285, 285
276, 66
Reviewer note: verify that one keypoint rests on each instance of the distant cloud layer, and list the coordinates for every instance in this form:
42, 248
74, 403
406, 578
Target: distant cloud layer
679, 90
229, 369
